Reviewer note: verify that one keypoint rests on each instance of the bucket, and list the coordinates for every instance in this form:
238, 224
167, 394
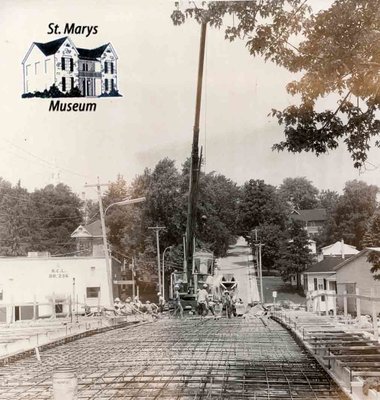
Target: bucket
65, 384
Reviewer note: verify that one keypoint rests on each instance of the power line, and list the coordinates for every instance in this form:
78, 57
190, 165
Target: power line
45, 161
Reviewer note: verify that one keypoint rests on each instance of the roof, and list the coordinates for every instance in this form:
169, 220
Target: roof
95, 228
328, 264
52, 47
92, 230
338, 248
315, 214
81, 232
348, 260
92, 54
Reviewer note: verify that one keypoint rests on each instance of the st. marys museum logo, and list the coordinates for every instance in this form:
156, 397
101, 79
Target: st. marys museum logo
60, 69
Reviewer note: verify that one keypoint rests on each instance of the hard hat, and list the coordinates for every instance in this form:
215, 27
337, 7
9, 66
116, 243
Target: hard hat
117, 300
176, 286
226, 291
147, 302
205, 285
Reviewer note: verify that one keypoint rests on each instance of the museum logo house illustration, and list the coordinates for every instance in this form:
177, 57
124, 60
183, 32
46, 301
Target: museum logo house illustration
61, 63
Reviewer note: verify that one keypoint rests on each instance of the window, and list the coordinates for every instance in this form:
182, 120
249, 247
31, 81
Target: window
333, 285
36, 68
47, 63
72, 83
106, 67
106, 85
112, 84
59, 308
111, 67
1, 294
323, 298
27, 70
71, 65
63, 63
63, 84
324, 284
315, 284
92, 292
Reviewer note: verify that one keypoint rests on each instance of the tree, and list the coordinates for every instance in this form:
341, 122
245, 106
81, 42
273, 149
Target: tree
328, 200
55, 212
259, 203
352, 212
273, 237
300, 192
217, 212
337, 57
372, 239
16, 225
295, 254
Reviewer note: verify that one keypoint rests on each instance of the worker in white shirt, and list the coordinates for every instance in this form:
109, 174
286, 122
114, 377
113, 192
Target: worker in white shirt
202, 301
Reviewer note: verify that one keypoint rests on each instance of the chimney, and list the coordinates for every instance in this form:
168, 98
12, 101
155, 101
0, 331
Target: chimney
342, 248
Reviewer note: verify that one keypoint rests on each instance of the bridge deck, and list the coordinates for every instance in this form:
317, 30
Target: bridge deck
174, 359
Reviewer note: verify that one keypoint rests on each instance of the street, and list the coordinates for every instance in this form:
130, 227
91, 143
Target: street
238, 263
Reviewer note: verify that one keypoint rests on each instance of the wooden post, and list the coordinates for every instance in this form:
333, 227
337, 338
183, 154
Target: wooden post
53, 310
334, 306
34, 308
345, 306
374, 315
318, 303
358, 310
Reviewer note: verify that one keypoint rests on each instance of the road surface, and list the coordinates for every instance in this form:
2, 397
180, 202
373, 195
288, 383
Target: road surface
238, 262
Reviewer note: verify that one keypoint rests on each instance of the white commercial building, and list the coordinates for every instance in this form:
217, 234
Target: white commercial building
38, 287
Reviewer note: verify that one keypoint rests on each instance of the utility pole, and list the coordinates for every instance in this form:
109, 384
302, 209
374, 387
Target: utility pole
157, 230
104, 234
195, 162
259, 265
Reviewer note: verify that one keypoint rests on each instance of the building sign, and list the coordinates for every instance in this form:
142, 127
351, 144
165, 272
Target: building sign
58, 273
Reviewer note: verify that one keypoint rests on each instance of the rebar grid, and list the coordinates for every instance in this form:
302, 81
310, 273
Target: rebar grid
178, 359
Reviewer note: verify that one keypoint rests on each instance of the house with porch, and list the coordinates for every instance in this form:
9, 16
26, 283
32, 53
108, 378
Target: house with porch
321, 277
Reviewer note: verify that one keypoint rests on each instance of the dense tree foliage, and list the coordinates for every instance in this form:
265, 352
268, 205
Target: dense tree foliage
299, 192
335, 51
39, 221
294, 257
352, 212
56, 214
259, 203
372, 239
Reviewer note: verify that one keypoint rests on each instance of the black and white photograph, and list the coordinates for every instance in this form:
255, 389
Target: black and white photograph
190, 200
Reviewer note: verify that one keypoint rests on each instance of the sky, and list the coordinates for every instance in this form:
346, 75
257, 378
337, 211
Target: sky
157, 69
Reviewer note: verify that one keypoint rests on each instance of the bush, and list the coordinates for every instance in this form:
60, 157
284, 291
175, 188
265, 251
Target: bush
53, 92
112, 93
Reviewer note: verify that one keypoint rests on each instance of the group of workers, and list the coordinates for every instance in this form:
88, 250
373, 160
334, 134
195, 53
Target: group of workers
129, 307
205, 304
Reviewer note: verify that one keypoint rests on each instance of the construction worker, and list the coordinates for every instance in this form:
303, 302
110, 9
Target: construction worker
137, 303
177, 302
117, 306
161, 302
202, 301
227, 303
